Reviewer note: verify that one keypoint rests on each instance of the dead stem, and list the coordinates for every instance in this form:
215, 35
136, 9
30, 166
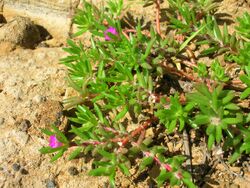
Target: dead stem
186, 145
158, 12
125, 34
178, 73
144, 32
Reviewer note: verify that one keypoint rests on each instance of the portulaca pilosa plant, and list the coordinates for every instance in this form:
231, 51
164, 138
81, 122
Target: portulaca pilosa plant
124, 109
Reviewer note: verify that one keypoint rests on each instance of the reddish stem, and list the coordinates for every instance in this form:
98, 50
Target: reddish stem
121, 141
138, 130
163, 165
125, 34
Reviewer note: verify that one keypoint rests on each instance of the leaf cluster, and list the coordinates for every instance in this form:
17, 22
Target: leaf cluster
118, 83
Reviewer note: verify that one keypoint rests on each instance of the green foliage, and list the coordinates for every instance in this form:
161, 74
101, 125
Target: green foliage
122, 92
201, 70
245, 78
217, 111
175, 115
243, 25
218, 72
240, 143
242, 58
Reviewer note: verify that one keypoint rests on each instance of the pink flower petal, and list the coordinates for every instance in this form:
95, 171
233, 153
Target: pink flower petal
111, 30
53, 142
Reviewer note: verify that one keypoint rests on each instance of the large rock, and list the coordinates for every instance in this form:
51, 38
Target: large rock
2, 19
53, 15
21, 32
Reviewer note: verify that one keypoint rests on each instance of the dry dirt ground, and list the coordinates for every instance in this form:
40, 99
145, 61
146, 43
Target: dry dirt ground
32, 86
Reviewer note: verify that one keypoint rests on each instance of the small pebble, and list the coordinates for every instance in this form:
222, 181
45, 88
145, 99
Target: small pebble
16, 167
24, 171
38, 99
73, 171
1, 120
24, 125
50, 183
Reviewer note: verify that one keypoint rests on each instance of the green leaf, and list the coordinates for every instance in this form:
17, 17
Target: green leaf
60, 135
203, 89
47, 132
211, 140
218, 134
209, 51
231, 121
148, 49
121, 114
225, 34
86, 127
245, 93
235, 156
231, 106
244, 147
75, 153
58, 155
146, 162
124, 169
45, 150
233, 40
184, 44
228, 97
99, 113
188, 182
189, 106
217, 32
246, 79
79, 133
101, 171
174, 181
163, 176
106, 154
172, 126
146, 66
112, 178
182, 124
210, 129
201, 119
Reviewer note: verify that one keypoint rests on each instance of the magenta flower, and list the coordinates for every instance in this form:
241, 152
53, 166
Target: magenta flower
53, 142
111, 30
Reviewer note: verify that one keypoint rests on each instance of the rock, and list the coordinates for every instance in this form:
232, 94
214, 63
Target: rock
24, 171
20, 137
50, 183
2, 19
7, 148
38, 99
21, 32
24, 125
16, 167
73, 171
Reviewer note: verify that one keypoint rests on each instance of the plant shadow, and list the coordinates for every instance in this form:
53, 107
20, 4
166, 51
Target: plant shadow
130, 21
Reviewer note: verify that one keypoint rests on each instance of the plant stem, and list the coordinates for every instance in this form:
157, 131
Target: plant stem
163, 165
124, 140
187, 150
138, 130
158, 12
